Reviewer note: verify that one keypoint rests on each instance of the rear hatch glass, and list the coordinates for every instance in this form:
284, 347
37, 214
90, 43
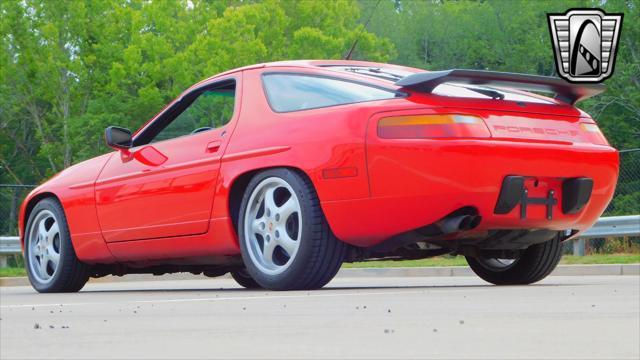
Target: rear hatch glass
485, 92
449, 89
519, 114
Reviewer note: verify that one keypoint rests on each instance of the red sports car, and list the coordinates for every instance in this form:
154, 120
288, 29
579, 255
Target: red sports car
278, 173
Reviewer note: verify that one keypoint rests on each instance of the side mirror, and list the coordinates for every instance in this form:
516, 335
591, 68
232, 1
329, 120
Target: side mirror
118, 138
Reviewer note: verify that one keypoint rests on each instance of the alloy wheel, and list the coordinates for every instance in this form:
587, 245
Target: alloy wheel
272, 226
497, 264
44, 246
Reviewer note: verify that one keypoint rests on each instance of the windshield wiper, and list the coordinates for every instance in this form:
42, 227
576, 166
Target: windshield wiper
495, 95
375, 72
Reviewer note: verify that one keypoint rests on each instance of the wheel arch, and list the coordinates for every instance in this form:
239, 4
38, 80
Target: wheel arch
239, 187
31, 203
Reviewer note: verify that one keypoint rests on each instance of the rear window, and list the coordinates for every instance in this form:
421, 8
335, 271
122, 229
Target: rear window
448, 89
295, 92
468, 91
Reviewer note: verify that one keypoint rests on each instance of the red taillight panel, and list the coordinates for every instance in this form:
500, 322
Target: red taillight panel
432, 126
483, 124
592, 133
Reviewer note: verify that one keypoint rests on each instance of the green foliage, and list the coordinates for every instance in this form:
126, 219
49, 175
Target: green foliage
71, 68
625, 204
211, 109
623, 245
506, 35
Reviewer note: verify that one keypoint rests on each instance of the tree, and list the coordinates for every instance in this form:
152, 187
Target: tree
513, 36
71, 68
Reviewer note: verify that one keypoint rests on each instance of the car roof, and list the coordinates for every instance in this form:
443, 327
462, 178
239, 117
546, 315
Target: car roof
313, 64
337, 65
329, 63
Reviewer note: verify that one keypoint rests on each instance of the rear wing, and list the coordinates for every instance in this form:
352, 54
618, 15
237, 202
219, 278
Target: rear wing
563, 90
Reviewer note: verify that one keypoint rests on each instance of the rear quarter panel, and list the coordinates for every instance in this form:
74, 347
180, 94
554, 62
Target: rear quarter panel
311, 140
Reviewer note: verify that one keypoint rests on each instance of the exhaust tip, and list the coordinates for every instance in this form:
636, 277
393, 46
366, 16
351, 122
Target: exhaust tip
475, 221
454, 223
465, 222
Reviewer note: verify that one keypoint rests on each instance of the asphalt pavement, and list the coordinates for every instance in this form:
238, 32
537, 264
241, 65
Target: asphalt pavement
577, 317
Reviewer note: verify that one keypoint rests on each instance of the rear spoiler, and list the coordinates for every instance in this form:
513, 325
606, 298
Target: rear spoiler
563, 90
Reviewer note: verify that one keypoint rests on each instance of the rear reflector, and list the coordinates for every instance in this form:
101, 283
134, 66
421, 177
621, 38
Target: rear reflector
337, 173
593, 134
432, 126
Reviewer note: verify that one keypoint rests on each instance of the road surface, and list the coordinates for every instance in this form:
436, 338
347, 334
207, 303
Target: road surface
453, 317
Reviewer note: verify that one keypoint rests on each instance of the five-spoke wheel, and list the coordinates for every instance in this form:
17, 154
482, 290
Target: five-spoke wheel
285, 240
272, 225
51, 262
44, 246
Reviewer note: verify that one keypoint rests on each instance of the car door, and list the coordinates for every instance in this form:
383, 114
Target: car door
164, 185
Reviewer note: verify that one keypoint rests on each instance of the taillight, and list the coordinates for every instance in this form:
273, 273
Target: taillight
432, 126
593, 134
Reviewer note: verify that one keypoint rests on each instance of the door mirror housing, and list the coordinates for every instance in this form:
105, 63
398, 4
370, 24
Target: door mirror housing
118, 138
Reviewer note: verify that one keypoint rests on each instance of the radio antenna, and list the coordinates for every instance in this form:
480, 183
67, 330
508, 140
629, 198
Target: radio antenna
355, 42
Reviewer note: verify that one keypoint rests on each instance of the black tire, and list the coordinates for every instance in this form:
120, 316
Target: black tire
71, 274
535, 263
319, 255
245, 280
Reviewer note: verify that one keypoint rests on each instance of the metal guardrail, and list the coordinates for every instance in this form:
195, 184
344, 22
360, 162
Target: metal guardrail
612, 226
9, 245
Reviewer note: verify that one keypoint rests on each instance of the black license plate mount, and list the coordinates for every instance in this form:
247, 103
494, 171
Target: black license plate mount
549, 201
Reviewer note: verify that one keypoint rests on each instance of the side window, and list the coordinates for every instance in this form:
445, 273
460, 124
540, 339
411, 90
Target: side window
208, 110
294, 92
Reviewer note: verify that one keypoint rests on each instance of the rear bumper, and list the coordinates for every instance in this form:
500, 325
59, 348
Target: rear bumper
575, 193
417, 182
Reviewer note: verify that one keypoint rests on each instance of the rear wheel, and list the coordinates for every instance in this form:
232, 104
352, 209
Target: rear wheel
51, 262
534, 264
285, 240
245, 280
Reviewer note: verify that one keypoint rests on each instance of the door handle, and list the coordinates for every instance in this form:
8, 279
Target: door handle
214, 146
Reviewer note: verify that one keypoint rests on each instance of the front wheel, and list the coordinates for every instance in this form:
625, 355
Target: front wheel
534, 264
51, 262
285, 240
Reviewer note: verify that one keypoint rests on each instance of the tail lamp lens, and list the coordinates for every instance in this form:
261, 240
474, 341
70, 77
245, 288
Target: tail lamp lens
593, 134
432, 126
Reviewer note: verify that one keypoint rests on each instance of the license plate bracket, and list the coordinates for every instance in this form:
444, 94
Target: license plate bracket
549, 201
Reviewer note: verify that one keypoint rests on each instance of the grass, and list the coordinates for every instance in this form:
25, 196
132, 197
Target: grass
12, 271
460, 261
602, 259
441, 261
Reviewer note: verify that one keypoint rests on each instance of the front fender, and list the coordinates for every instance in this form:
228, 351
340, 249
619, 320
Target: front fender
74, 188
